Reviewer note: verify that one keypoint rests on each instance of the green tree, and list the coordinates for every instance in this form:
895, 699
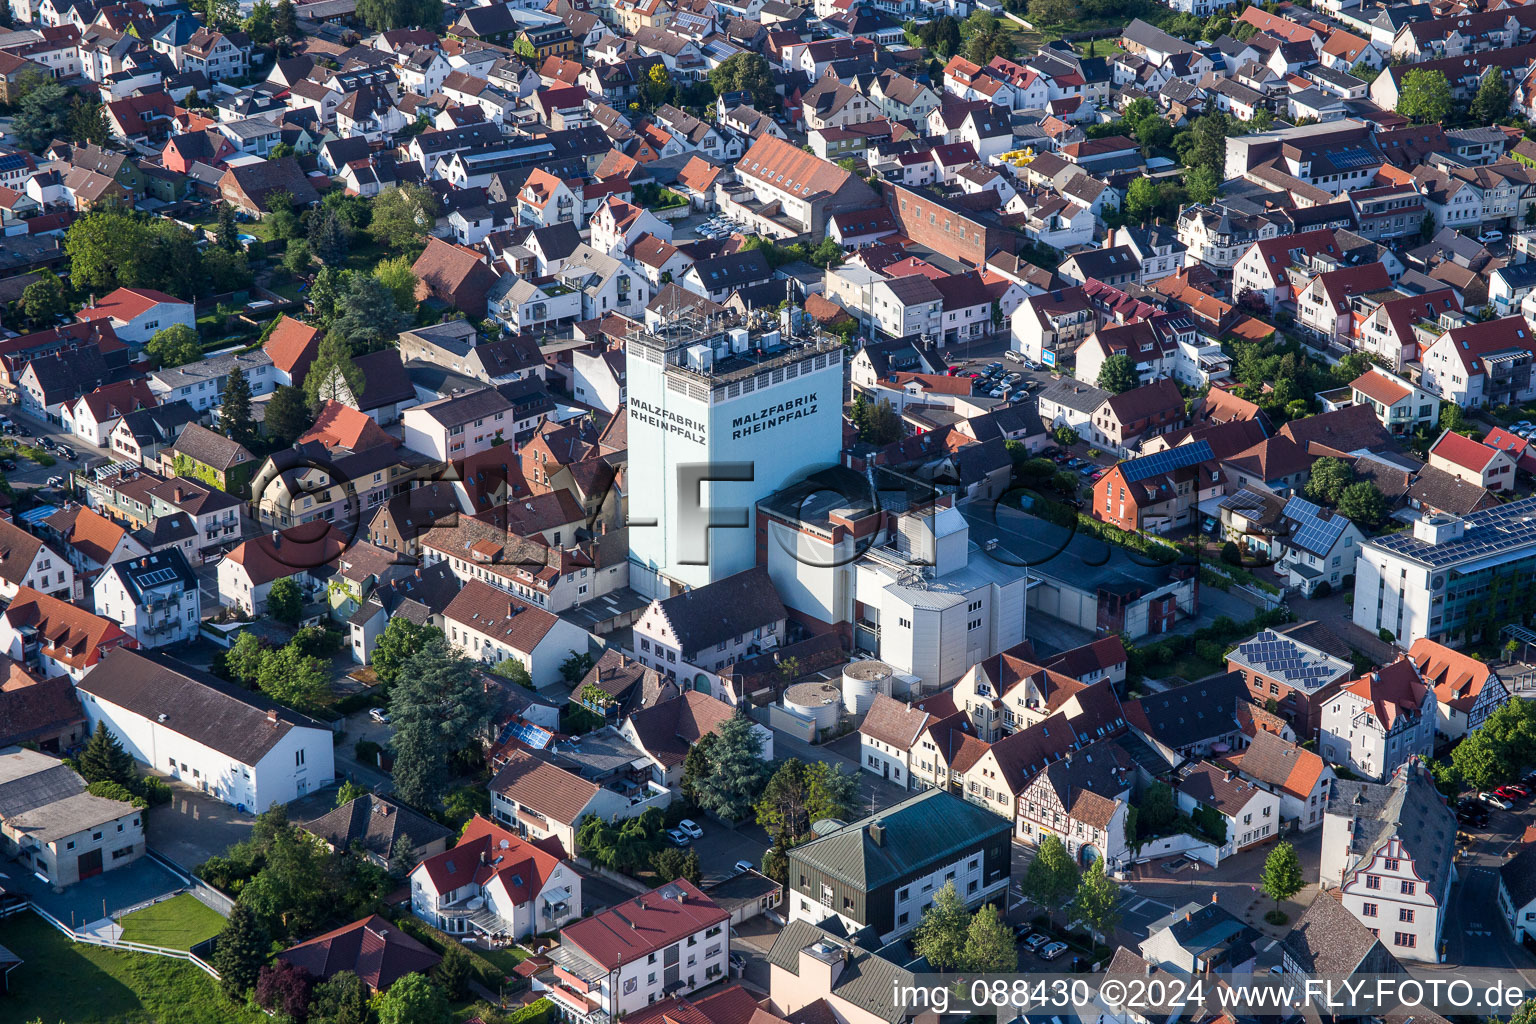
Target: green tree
349, 791
832, 791
225, 271
1203, 184
1282, 877
328, 239
1052, 877
176, 345
239, 951
745, 72
261, 26
287, 415
235, 420
1065, 436
828, 253
1365, 71
88, 121
1424, 96
401, 640
105, 760
1499, 750
989, 943
697, 768
670, 864
294, 679
515, 670
1362, 502
297, 257
573, 668
658, 85
942, 933
285, 20
397, 276
878, 423
454, 971
1329, 478
42, 116
1094, 904
783, 806
368, 314
1052, 12
1157, 809
736, 769
1140, 200
245, 657
437, 705
342, 998
284, 601
1117, 374
402, 216
985, 38
45, 300
1492, 100
228, 230
776, 861
333, 376
523, 47
412, 1000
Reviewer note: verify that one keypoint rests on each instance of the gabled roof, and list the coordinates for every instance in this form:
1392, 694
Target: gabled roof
127, 304
1280, 763
667, 730
292, 346
238, 723
487, 854
1462, 451
722, 610
1457, 679
1391, 692
643, 925
297, 549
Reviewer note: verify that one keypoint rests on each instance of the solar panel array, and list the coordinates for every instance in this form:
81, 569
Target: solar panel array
1355, 156
1166, 461
1492, 531
530, 735
1312, 532
157, 577
1281, 658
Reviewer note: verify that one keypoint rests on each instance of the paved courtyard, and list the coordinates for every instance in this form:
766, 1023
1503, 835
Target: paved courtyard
94, 898
195, 826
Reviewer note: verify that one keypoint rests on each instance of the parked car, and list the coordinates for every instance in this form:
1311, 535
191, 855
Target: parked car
997, 392
1053, 951
66, 453
47, 443
55, 481
1493, 800
994, 367
677, 837
1511, 792
8, 465
1036, 940
379, 715
1014, 357
1490, 236
690, 828
1049, 451
745, 865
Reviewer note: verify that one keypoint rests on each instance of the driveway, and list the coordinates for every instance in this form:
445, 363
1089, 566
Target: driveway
98, 897
195, 826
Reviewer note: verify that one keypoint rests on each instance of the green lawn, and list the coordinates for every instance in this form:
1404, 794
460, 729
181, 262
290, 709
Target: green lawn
504, 959
63, 981
180, 923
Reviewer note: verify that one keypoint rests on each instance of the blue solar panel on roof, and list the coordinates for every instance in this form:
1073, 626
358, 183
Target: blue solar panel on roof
1166, 461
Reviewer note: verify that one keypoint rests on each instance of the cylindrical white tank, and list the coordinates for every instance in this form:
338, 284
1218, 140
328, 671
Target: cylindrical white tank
861, 681
820, 702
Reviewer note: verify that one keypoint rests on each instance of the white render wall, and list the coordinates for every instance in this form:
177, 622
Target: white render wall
111, 601
301, 762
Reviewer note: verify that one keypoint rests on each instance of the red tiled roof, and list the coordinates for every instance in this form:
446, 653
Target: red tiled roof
341, 426
69, 634
1391, 691
1463, 451
126, 304
300, 548
292, 346
488, 853
1380, 388
375, 950
1457, 678
643, 925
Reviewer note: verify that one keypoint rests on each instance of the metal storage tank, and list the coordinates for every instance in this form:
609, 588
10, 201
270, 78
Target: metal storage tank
820, 702
861, 681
